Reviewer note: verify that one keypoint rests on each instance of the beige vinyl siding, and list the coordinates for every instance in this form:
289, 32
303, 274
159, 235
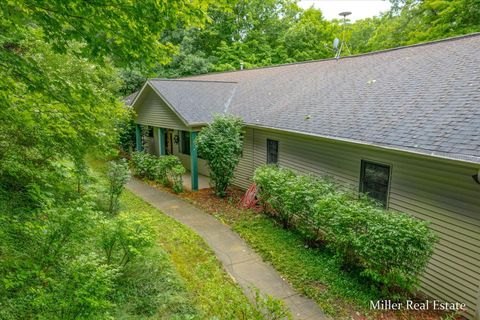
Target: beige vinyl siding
153, 111
442, 192
244, 170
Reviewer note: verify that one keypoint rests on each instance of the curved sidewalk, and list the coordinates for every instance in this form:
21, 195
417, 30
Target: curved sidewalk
242, 263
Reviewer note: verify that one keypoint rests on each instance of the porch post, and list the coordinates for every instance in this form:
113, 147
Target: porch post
161, 141
138, 137
193, 161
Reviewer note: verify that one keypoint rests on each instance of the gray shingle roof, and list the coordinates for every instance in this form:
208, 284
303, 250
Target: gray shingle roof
423, 98
128, 100
196, 100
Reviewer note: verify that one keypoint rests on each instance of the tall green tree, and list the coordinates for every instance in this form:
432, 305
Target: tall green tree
310, 37
59, 82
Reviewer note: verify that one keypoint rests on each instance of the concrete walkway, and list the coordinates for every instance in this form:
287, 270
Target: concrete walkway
241, 262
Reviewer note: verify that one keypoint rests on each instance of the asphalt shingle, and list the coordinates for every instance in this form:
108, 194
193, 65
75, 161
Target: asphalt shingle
423, 98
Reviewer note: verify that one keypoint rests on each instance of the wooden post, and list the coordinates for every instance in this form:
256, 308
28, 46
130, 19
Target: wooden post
161, 141
193, 161
138, 137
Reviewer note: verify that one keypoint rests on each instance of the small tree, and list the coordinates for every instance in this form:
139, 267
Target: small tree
118, 175
221, 143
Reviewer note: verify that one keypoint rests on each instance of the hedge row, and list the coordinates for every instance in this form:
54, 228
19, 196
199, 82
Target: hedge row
167, 170
391, 248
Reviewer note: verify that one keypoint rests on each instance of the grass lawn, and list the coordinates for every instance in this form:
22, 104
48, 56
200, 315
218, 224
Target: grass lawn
182, 278
211, 290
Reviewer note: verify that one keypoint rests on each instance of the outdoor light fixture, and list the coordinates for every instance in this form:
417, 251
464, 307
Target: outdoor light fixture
176, 139
476, 177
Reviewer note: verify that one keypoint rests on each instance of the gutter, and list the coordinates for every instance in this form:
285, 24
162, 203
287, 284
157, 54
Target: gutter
368, 144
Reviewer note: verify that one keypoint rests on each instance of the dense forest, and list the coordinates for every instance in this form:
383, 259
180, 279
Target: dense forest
267, 32
64, 66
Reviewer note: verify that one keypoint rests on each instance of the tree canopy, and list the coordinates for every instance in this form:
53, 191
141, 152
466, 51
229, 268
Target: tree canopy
259, 33
60, 67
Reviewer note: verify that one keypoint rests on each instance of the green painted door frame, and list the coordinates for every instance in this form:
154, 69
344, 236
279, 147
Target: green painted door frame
193, 161
161, 141
138, 137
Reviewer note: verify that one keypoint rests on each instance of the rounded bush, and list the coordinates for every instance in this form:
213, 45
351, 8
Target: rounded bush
167, 170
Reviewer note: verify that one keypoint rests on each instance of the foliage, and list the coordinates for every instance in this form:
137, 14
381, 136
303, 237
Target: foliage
261, 33
143, 164
359, 231
167, 170
312, 270
290, 196
319, 275
58, 77
49, 267
118, 174
176, 176
306, 38
212, 290
126, 135
221, 144
149, 287
270, 308
126, 236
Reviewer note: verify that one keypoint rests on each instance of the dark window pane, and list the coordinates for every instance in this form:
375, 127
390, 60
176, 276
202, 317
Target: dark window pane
272, 151
150, 132
374, 181
185, 142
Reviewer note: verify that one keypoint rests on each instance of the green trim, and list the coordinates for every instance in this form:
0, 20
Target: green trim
161, 141
138, 137
193, 161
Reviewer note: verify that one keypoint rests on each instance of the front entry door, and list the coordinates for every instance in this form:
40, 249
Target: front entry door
169, 141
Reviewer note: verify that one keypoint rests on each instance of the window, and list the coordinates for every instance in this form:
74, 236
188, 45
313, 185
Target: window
272, 151
150, 131
374, 181
185, 142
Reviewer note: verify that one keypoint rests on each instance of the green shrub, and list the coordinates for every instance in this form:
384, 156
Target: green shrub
117, 175
126, 236
290, 196
143, 165
167, 170
391, 248
176, 176
221, 144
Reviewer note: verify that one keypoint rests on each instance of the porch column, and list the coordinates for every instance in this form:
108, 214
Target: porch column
138, 137
193, 161
161, 141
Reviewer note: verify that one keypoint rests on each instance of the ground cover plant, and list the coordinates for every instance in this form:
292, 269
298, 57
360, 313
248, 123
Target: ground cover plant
196, 285
212, 290
313, 270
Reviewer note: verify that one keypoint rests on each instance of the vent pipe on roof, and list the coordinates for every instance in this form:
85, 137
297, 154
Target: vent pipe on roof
241, 65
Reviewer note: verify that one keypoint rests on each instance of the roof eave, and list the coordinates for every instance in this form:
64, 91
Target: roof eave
368, 144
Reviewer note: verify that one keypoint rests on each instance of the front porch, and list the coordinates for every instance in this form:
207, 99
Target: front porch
179, 142
203, 181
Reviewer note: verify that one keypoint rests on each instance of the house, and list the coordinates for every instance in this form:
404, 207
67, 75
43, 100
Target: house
401, 124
